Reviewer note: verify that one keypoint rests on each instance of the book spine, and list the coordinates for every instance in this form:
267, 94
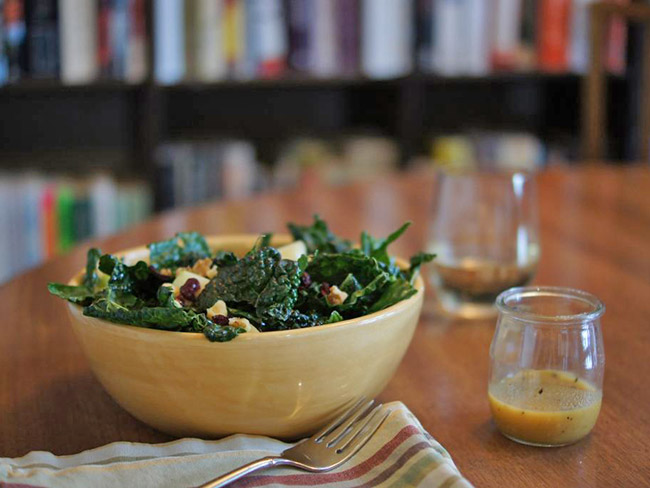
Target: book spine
616, 43
270, 33
324, 48
169, 45
506, 40
553, 35
42, 39
299, 14
78, 41
15, 35
119, 37
424, 35
386, 38
579, 44
476, 40
447, 17
347, 33
234, 37
209, 41
104, 43
527, 59
137, 64
4, 66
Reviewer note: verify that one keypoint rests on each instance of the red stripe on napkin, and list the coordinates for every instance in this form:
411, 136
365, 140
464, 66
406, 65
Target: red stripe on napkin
4, 484
323, 478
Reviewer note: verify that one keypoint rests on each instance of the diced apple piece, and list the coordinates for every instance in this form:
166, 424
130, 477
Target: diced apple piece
293, 251
183, 275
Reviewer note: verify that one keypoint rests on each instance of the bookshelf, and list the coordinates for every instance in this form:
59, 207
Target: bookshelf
57, 126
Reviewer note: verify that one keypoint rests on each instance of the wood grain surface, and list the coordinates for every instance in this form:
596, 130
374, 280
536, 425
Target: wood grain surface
595, 235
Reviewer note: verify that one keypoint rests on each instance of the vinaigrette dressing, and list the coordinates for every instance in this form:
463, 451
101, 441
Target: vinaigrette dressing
544, 407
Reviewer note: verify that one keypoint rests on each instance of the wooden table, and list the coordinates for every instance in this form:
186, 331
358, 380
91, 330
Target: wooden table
595, 236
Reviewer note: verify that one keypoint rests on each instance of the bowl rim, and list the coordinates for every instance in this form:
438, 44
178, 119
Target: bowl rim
269, 335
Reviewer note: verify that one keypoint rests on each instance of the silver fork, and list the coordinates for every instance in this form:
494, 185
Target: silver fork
333, 445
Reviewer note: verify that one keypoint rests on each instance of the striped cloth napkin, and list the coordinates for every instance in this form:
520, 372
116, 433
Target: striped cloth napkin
400, 454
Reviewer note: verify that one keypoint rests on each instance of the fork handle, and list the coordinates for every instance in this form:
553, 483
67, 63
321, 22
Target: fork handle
235, 474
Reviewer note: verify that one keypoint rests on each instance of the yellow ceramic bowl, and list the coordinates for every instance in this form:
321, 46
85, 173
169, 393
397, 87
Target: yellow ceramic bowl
282, 384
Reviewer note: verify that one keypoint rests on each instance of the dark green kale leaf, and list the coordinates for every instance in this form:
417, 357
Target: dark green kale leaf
396, 291
182, 250
334, 268
350, 284
128, 284
75, 294
165, 318
361, 300
416, 262
224, 258
82, 294
318, 237
217, 333
241, 282
377, 247
279, 296
91, 278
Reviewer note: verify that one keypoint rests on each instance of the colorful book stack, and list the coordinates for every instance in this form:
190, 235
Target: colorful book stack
43, 216
478, 37
191, 172
78, 41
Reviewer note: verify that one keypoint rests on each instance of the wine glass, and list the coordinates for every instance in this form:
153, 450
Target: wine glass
484, 230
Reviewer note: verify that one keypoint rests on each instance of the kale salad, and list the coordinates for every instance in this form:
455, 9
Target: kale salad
317, 279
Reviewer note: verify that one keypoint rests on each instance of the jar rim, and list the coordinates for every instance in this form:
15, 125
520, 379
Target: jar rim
597, 307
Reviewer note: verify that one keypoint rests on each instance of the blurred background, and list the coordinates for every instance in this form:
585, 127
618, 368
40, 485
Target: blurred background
111, 110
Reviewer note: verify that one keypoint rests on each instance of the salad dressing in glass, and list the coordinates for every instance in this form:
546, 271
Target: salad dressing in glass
544, 406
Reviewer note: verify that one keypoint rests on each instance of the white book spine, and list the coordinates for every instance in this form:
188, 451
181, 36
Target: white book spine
447, 17
324, 52
579, 42
270, 31
169, 41
78, 41
507, 26
209, 41
475, 25
386, 38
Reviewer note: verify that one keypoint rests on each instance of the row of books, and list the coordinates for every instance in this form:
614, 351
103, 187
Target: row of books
43, 216
78, 41
192, 172
81, 41
212, 40
476, 37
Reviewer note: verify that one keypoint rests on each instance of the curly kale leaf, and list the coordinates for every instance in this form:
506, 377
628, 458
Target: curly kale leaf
416, 262
182, 250
241, 282
277, 299
217, 333
361, 300
224, 258
377, 247
82, 294
75, 294
165, 318
334, 268
396, 291
91, 278
129, 284
318, 237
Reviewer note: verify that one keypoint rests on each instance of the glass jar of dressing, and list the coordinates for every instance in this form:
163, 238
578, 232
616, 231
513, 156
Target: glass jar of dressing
546, 365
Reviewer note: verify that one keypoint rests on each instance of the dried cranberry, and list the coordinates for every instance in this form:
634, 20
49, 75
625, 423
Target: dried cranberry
325, 288
305, 280
189, 289
220, 320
